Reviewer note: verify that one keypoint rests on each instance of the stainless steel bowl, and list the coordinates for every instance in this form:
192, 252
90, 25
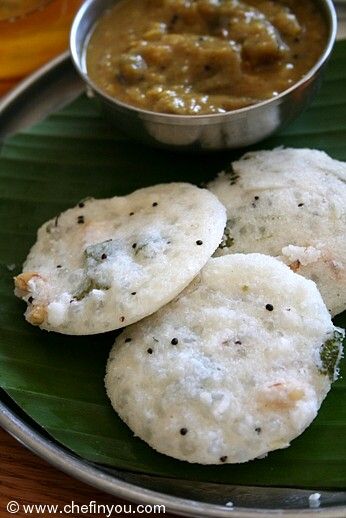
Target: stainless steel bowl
233, 129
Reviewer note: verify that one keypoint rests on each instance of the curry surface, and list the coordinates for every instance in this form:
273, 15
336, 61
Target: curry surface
192, 57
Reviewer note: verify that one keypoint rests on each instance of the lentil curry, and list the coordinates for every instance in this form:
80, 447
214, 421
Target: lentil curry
192, 57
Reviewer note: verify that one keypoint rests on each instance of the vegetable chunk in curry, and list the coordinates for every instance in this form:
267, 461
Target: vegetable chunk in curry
193, 57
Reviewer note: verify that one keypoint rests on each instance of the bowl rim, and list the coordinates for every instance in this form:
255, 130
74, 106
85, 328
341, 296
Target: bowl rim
79, 62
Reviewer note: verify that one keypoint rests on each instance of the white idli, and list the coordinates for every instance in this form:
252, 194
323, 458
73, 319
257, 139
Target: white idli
290, 203
107, 263
236, 366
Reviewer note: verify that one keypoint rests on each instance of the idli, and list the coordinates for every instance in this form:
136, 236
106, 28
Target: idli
107, 263
236, 366
291, 204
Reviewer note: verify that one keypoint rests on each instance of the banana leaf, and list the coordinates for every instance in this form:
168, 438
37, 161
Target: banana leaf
58, 380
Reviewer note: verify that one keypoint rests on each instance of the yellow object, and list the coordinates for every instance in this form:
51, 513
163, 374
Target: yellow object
31, 33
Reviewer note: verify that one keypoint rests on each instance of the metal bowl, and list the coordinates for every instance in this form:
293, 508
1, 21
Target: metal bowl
234, 129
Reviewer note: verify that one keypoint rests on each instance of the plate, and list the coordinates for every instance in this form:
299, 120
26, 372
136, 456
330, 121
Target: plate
46, 91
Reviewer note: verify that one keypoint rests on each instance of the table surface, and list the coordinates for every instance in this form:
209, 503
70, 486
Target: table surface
27, 479
30, 480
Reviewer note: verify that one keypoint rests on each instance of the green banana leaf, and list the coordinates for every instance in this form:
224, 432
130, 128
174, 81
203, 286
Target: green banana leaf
58, 380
